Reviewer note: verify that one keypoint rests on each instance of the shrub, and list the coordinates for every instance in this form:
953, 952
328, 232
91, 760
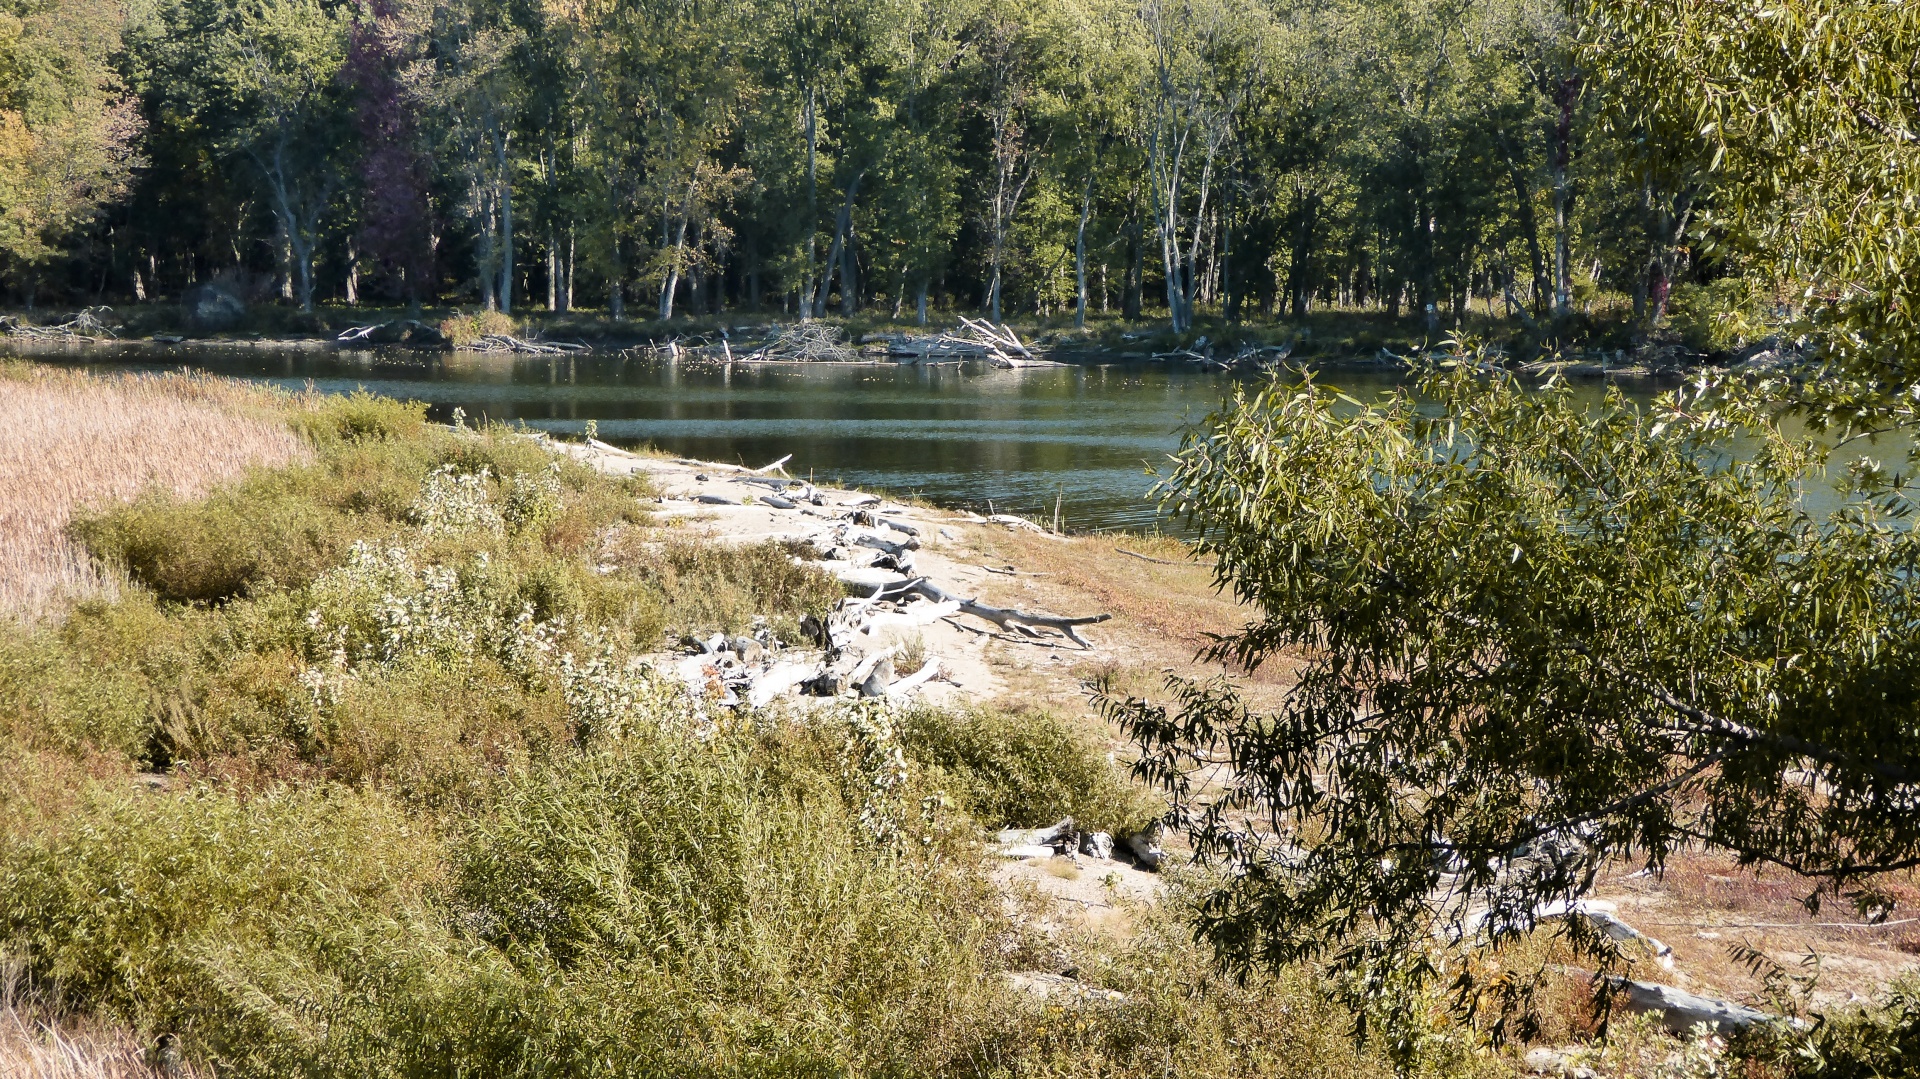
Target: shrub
463, 328
260, 534
657, 907
1025, 769
358, 416
707, 586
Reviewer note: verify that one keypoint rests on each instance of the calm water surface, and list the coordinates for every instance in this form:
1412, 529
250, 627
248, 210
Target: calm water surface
960, 435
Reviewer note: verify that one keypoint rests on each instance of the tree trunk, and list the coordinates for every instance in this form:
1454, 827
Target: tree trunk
616, 293
1080, 249
842, 222
1529, 227
920, 303
506, 222
672, 283
1565, 94
1136, 270
1302, 253
553, 271
849, 270
811, 122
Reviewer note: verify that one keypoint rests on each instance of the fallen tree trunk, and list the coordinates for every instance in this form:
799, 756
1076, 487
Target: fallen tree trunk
999, 616
1681, 1011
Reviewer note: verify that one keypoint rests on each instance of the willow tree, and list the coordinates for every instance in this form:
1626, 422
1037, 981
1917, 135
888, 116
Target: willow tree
1537, 639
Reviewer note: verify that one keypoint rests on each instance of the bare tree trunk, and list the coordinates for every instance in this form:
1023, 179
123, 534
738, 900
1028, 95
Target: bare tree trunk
616, 293
849, 270
920, 304
553, 270
1529, 226
353, 272
810, 121
1136, 270
1080, 249
817, 304
485, 254
1565, 94
1302, 253
566, 294
672, 282
506, 221
1190, 282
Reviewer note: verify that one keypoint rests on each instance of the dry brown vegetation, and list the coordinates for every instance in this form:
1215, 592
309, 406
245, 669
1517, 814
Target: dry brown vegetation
34, 1047
1706, 906
69, 441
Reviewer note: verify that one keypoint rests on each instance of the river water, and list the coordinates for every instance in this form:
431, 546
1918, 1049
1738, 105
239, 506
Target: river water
965, 435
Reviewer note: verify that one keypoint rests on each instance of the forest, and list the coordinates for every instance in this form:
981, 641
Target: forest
1162, 159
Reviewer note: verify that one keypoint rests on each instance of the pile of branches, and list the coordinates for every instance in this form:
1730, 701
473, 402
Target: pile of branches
500, 342
88, 326
808, 342
1003, 347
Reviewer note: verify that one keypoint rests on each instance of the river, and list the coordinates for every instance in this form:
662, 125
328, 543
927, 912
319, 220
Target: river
964, 435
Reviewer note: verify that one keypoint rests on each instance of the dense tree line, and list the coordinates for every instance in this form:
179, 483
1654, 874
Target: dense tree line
661, 157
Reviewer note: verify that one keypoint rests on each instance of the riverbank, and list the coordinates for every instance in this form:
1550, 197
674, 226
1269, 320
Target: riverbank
1585, 344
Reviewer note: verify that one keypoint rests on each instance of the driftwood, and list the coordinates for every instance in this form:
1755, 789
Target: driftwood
809, 342
935, 348
403, 331
87, 326
1003, 346
1250, 357
501, 342
1018, 621
1681, 1011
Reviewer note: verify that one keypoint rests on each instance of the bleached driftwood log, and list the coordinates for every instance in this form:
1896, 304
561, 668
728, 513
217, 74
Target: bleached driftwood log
809, 342
1681, 1011
1007, 619
1003, 346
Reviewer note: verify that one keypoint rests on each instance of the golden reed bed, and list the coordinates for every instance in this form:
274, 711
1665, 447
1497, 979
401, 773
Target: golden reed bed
69, 441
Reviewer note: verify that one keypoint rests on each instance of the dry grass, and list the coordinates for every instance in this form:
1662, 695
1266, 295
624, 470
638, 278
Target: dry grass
33, 1049
68, 441
1705, 904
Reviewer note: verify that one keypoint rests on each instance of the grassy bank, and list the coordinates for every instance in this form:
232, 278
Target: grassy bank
355, 775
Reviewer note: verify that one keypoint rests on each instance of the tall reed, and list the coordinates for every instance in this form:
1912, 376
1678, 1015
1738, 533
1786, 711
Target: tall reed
70, 440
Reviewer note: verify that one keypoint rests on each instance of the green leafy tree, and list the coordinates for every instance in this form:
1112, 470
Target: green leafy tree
261, 79
68, 133
1533, 639
1537, 637
1805, 115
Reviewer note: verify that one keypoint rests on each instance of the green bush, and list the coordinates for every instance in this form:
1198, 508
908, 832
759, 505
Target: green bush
359, 416
261, 534
652, 909
1025, 769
